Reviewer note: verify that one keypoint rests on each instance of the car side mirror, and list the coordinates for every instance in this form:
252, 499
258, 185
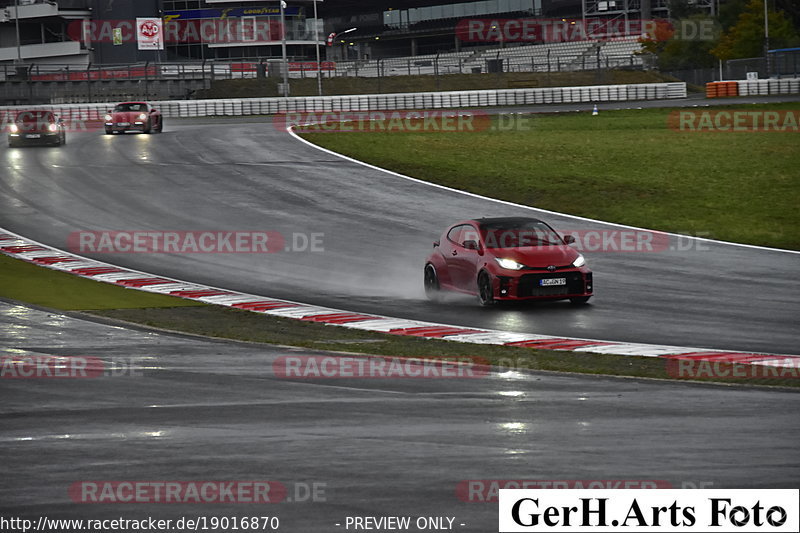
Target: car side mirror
154, 110
435, 244
569, 239
472, 245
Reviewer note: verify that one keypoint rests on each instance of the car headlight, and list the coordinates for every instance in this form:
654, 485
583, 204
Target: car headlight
109, 118
143, 116
13, 128
579, 261
53, 127
509, 264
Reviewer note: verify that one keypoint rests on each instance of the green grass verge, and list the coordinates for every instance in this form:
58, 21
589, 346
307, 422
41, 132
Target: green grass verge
621, 166
33, 284
49, 288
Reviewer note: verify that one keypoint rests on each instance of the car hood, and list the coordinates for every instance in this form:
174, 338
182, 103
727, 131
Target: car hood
538, 256
126, 116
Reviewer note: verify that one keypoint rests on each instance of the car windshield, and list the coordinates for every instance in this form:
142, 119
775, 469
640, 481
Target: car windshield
122, 108
517, 234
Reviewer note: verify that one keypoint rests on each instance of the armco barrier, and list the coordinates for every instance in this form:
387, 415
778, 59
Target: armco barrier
384, 102
765, 87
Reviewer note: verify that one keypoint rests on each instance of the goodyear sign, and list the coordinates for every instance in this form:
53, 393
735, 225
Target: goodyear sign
230, 12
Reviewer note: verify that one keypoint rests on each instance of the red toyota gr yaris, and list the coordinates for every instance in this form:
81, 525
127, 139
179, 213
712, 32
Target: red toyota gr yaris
507, 259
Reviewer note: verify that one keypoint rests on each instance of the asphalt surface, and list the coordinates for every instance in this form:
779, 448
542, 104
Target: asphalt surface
245, 174
195, 409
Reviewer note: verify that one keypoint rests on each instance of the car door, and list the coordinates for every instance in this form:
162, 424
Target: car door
154, 118
449, 247
462, 261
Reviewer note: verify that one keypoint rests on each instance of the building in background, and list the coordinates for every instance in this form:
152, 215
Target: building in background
43, 31
104, 32
220, 29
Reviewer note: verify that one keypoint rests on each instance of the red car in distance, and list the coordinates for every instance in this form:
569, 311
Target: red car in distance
36, 127
133, 116
507, 259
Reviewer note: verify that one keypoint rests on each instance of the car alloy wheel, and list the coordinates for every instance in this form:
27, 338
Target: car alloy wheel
485, 290
432, 289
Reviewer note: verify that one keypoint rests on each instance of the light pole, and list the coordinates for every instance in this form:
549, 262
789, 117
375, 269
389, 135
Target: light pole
16, 20
335, 36
316, 41
766, 38
283, 51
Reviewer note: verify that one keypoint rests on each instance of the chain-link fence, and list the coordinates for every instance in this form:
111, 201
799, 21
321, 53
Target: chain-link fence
777, 64
737, 69
784, 63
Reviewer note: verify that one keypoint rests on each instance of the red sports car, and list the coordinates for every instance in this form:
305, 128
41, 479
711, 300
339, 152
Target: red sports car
36, 127
507, 259
133, 116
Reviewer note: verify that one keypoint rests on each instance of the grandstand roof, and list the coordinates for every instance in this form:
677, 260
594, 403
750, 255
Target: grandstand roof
335, 7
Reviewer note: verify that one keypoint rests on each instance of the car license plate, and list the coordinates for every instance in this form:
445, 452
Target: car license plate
33, 136
552, 282
123, 123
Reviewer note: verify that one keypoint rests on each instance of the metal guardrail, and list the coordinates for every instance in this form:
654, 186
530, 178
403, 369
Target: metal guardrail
388, 102
233, 69
767, 87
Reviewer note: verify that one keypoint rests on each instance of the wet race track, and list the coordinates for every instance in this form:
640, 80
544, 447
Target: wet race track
198, 409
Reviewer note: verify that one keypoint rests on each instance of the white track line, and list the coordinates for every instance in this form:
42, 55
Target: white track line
291, 132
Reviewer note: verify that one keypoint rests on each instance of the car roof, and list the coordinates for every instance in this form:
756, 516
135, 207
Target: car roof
504, 221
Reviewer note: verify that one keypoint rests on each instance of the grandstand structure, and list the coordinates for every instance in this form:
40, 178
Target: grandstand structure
550, 57
424, 28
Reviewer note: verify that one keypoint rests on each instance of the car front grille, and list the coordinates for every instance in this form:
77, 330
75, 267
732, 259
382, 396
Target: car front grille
529, 285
